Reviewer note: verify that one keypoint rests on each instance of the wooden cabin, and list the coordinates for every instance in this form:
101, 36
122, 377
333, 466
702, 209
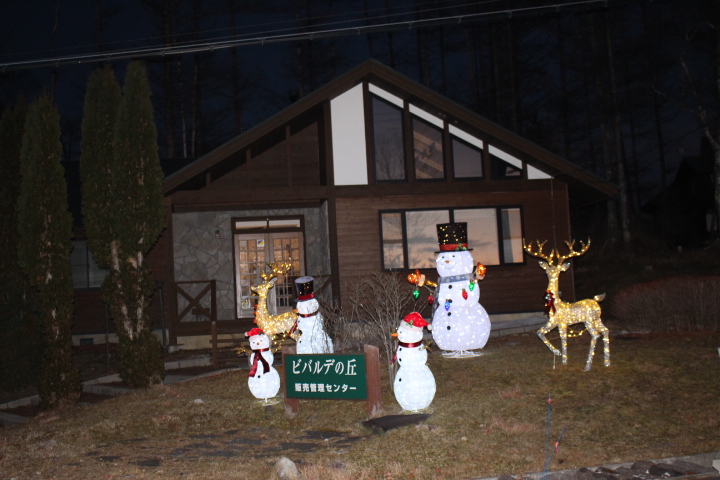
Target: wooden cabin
352, 179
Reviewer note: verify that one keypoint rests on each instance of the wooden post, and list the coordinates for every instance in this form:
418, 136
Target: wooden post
292, 405
213, 335
374, 391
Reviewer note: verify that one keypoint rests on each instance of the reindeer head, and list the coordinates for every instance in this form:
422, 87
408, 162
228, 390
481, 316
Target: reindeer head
553, 264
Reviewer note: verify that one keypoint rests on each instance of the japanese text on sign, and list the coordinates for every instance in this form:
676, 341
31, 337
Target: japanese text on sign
326, 376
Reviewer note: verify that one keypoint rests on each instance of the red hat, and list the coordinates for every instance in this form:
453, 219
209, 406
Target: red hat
254, 331
416, 320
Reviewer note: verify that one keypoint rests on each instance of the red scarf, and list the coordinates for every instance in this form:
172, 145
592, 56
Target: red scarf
549, 302
259, 358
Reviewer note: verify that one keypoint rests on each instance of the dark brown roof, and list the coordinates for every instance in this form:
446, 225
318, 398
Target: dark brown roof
584, 186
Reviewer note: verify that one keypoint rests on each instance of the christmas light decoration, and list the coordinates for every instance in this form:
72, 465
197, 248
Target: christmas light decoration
463, 325
414, 384
273, 325
313, 338
563, 314
263, 379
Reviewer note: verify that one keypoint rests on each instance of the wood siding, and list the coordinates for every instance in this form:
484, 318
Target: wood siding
506, 289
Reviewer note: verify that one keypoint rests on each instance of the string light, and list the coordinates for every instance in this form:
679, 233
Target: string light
563, 314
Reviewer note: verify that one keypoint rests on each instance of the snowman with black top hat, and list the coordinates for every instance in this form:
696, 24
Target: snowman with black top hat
313, 338
460, 324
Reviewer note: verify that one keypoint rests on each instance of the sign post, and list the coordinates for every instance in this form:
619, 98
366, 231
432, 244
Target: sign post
332, 377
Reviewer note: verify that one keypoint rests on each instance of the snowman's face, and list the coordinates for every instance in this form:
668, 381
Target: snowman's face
307, 306
449, 264
409, 334
259, 341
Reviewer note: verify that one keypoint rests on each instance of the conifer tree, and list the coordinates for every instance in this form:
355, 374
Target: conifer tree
124, 212
19, 330
45, 227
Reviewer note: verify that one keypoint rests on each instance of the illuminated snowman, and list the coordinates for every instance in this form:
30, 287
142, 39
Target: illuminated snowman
414, 384
460, 323
263, 379
310, 320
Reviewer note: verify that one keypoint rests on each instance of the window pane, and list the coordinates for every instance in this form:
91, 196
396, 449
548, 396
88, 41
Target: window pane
427, 141
393, 256
422, 240
512, 235
482, 233
387, 129
467, 160
502, 169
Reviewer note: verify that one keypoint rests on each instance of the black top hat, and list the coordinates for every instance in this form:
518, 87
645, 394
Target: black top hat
304, 288
452, 237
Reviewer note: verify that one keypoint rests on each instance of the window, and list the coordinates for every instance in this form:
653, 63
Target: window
428, 144
388, 135
467, 160
409, 238
85, 272
257, 243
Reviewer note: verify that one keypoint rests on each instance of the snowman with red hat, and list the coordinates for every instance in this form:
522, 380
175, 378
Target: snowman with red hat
263, 379
460, 323
310, 320
414, 384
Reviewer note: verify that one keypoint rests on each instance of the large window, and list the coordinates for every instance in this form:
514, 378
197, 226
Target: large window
388, 135
85, 272
409, 237
257, 243
428, 145
467, 160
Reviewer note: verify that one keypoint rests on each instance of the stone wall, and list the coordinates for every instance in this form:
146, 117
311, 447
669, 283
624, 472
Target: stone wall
200, 254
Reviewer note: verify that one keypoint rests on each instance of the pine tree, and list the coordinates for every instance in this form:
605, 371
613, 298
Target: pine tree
124, 212
45, 227
20, 337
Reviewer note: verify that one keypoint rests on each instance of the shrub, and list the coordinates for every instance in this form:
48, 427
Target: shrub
684, 303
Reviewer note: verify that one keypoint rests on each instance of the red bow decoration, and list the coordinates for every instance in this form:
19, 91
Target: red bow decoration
549, 302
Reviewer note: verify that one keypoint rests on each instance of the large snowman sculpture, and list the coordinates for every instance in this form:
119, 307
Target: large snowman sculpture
263, 379
414, 384
310, 321
460, 323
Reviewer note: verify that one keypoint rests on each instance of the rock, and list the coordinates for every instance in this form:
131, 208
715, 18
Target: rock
286, 469
690, 468
198, 401
664, 470
388, 422
642, 466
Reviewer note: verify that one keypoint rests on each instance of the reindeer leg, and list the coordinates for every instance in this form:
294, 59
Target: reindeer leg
594, 335
606, 345
563, 341
541, 333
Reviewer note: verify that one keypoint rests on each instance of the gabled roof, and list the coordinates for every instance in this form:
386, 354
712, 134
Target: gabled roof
584, 186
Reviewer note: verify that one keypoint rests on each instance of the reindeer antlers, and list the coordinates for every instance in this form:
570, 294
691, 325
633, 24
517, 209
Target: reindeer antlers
281, 267
554, 253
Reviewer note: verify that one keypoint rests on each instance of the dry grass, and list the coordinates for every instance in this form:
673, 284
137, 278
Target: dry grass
658, 399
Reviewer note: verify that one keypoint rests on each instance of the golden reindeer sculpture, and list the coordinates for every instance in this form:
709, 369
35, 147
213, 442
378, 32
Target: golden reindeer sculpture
273, 324
563, 314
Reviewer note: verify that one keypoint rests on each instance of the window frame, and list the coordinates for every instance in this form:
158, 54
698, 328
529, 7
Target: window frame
451, 214
88, 264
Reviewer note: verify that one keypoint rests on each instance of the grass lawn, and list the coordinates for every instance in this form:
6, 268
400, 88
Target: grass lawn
658, 399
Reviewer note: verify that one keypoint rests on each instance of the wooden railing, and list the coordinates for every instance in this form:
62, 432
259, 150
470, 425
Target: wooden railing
194, 306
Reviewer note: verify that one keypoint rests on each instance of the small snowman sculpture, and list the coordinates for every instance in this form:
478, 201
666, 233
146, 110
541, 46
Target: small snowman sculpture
460, 323
414, 384
263, 379
310, 320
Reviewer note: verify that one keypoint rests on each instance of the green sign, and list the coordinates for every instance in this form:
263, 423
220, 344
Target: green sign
326, 376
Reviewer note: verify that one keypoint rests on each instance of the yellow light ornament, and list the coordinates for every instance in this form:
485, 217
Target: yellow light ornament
563, 314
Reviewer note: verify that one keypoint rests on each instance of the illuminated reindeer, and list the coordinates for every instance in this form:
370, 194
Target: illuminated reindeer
274, 324
562, 314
